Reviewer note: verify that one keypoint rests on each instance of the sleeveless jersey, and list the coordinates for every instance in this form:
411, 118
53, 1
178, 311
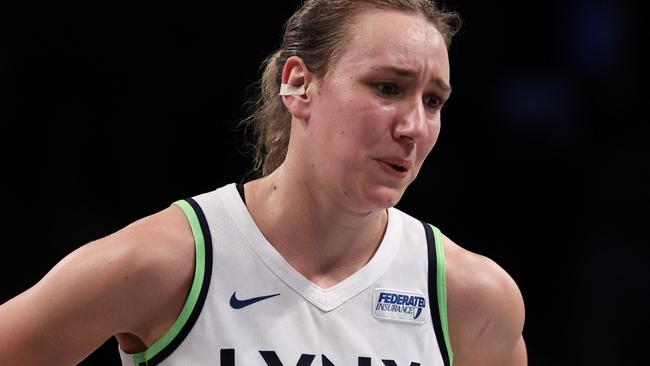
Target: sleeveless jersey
247, 306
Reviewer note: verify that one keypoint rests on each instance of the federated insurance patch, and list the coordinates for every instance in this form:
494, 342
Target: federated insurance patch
402, 306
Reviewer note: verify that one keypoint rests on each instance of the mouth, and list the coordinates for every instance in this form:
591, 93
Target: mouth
399, 168
395, 167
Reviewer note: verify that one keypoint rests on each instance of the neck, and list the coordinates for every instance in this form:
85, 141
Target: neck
320, 237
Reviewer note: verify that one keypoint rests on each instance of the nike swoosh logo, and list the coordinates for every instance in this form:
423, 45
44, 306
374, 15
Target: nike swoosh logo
235, 303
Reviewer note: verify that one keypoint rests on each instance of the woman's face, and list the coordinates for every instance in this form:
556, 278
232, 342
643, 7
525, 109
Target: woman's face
375, 116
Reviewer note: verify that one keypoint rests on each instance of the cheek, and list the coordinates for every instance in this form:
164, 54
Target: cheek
375, 123
435, 132
360, 126
425, 146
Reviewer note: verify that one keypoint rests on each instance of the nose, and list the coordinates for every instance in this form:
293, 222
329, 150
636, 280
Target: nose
412, 124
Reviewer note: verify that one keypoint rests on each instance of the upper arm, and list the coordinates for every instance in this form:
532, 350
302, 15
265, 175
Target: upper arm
486, 311
116, 284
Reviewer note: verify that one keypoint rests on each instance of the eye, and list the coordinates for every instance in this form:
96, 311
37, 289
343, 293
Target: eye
387, 88
433, 102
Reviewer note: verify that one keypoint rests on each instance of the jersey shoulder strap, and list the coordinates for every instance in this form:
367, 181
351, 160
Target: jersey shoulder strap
438, 291
162, 348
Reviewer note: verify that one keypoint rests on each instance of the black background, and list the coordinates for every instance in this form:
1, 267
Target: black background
110, 112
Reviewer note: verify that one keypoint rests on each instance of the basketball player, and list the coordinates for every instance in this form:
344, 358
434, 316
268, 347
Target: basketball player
309, 264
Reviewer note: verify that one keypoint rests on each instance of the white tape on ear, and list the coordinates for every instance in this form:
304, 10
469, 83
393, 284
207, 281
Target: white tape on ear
286, 89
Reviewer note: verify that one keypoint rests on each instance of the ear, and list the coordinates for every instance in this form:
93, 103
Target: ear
295, 74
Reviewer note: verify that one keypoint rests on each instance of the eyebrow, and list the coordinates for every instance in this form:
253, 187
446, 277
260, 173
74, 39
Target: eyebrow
401, 72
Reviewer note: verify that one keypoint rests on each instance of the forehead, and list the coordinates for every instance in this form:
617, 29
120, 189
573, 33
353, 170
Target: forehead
395, 38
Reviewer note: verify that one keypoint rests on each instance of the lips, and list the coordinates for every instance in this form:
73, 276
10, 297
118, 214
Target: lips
397, 163
395, 166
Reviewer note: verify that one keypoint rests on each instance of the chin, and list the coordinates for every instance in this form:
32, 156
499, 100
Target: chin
381, 198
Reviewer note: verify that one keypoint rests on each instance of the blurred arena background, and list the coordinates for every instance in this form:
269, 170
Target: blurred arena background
110, 112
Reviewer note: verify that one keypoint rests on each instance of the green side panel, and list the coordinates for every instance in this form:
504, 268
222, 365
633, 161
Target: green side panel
199, 272
441, 276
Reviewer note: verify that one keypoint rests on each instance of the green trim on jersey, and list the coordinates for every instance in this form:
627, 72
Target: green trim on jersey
441, 279
199, 272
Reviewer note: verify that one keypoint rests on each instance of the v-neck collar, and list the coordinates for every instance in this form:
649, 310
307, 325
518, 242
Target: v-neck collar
326, 299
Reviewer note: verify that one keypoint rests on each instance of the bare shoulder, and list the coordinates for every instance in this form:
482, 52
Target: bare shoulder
134, 281
156, 259
486, 310
162, 242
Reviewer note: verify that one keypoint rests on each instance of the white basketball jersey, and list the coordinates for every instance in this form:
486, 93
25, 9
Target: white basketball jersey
249, 307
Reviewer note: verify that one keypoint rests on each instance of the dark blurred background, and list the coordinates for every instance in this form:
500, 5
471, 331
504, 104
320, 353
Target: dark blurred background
110, 112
